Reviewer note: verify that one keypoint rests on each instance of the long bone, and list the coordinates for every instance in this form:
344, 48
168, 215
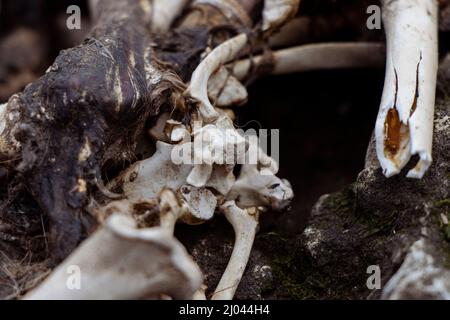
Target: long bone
318, 56
404, 125
253, 189
244, 225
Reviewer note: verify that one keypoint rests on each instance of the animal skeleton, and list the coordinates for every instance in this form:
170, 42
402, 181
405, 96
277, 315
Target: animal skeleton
194, 192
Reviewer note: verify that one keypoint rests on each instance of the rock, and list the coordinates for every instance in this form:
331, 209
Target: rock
399, 225
420, 275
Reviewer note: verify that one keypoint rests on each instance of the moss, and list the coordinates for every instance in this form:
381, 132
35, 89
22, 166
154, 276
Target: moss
376, 226
444, 203
342, 203
443, 207
293, 287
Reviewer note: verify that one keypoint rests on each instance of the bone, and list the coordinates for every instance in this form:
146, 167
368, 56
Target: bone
147, 178
225, 90
244, 225
198, 87
213, 144
257, 184
320, 56
278, 12
404, 125
120, 261
191, 205
254, 189
165, 12
2, 117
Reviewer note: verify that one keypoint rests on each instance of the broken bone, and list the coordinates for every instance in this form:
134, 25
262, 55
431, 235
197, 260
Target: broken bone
120, 261
198, 87
244, 225
404, 125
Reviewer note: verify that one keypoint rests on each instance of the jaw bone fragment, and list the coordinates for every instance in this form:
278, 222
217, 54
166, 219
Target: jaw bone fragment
198, 87
244, 225
277, 12
404, 124
120, 261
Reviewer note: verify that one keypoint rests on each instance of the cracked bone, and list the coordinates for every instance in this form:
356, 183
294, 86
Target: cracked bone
404, 125
277, 12
120, 261
244, 225
198, 87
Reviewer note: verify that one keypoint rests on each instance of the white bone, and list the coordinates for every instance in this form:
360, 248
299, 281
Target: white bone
120, 261
2, 117
254, 189
244, 226
222, 179
164, 13
257, 184
198, 87
225, 90
277, 12
213, 144
199, 202
404, 124
147, 178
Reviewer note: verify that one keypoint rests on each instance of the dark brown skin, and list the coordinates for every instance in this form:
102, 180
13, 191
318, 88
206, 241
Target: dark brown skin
75, 102
98, 97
